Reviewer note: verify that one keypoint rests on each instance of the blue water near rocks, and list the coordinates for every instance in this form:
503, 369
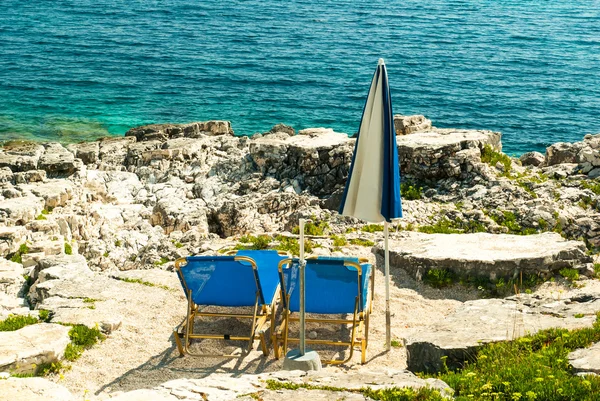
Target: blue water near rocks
78, 69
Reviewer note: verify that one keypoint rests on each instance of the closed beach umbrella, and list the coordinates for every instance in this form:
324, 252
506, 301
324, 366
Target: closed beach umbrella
373, 187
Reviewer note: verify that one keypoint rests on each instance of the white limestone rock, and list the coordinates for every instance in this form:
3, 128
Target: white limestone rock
33, 389
23, 350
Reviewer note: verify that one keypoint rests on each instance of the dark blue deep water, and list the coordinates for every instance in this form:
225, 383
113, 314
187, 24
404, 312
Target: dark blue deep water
79, 69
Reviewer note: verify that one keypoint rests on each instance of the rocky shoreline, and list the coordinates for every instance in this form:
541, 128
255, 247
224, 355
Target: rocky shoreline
80, 223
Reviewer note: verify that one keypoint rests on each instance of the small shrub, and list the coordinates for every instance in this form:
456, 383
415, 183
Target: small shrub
578, 315
396, 344
85, 337
13, 323
339, 240
593, 186
492, 157
371, 228
46, 211
292, 245
597, 270
317, 228
178, 245
118, 243
439, 278
361, 242
443, 226
41, 217
256, 243
68, 249
410, 192
569, 274
105, 254
17, 256
44, 315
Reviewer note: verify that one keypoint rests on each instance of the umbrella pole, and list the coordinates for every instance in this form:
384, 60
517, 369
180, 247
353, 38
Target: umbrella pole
302, 292
388, 322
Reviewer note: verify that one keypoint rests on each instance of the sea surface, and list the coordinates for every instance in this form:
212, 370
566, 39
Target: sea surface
79, 69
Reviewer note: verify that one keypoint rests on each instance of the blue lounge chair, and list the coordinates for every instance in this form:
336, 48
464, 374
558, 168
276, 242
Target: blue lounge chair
333, 286
248, 279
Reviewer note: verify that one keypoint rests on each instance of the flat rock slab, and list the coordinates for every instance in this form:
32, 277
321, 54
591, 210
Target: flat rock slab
222, 386
23, 350
483, 255
586, 360
490, 320
33, 389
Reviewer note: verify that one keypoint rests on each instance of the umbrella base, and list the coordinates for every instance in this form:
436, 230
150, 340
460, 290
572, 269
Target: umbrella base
309, 361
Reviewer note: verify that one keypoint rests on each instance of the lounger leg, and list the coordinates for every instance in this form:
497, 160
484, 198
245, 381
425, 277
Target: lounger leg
189, 326
253, 331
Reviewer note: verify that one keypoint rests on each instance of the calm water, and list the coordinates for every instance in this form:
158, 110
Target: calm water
78, 69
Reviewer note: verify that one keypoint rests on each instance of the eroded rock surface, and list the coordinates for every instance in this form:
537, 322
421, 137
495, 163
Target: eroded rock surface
586, 360
490, 320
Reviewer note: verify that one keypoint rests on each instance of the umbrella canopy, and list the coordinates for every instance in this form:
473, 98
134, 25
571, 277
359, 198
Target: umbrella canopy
373, 187
372, 190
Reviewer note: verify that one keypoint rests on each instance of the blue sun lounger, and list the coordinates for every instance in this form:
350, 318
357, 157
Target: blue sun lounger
333, 286
247, 279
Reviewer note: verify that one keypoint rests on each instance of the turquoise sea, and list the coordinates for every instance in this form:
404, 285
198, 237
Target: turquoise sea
78, 69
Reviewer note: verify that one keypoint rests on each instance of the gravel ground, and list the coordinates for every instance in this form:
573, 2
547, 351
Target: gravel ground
142, 353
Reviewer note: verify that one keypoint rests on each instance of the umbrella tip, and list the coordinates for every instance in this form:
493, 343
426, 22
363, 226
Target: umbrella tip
381, 62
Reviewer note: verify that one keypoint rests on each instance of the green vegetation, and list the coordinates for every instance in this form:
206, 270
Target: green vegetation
492, 157
178, 245
597, 270
578, 315
396, 344
410, 192
41, 217
118, 243
163, 260
315, 227
17, 256
13, 323
105, 254
534, 367
82, 338
339, 240
292, 245
593, 186
361, 242
371, 228
509, 220
68, 249
439, 278
443, 226
251, 242
142, 282
47, 210
388, 394
44, 315
569, 274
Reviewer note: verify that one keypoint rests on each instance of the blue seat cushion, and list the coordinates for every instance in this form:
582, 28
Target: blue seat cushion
331, 287
267, 262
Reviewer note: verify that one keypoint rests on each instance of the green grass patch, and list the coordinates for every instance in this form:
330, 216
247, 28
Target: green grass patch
388, 394
569, 274
315, 227
259, 242
178, 245
17, 256
396, 343
142, 282
44, 315
163, 260
68, 249
361, 242
492, 157
339, 240
372, 228
410, 192
41, 217
592, 185
534, 367
443, 226
439, 278
292, 245
13, 323
82, 338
